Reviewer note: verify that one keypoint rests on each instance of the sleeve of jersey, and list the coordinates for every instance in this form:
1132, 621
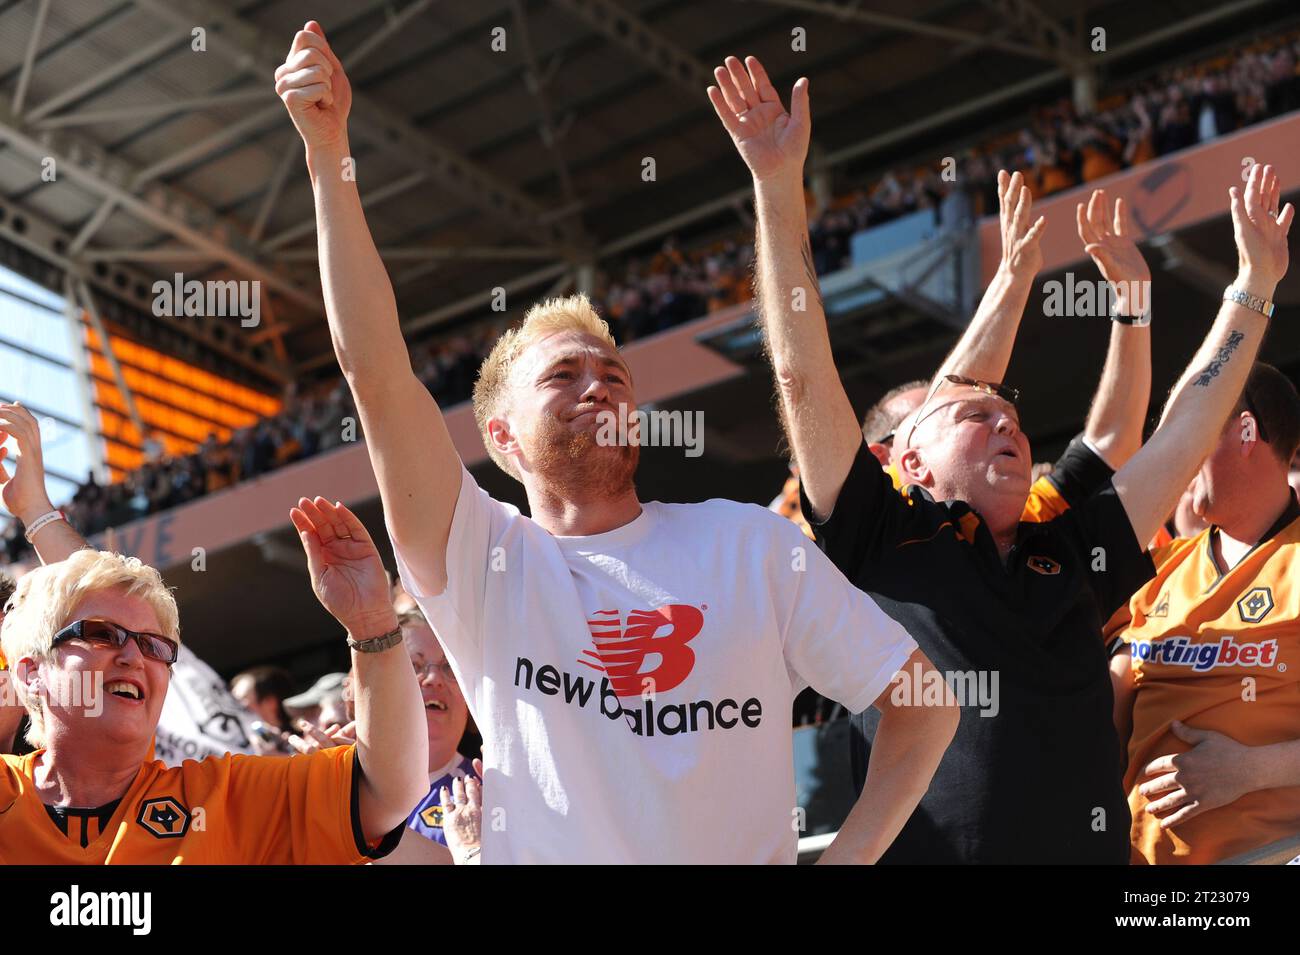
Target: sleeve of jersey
836, 638
866, 518
302, 810
1103, 535
455, 613
1077, 474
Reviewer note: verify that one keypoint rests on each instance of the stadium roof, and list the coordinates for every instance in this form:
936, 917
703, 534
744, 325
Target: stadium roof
480, 168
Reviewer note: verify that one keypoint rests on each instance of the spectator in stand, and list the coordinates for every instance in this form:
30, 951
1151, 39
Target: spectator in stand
100, 614
262, 691
11, 711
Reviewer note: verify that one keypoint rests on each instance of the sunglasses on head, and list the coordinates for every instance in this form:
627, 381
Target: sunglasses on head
1005, 392
102, 633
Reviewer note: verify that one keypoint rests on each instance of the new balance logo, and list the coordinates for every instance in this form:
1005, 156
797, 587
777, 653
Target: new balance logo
621, 650
648, 717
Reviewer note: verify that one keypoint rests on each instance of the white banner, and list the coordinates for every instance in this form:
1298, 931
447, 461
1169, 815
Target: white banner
200, 718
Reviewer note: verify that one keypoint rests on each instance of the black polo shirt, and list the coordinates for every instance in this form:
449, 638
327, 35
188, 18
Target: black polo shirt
1037, 779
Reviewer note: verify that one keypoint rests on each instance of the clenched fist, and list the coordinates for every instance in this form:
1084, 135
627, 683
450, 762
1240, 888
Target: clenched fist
314, 89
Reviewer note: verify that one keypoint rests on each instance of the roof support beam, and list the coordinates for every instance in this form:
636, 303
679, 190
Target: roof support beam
536, 83
438, 253
1028, 19
87, 231
53, 245
252, 51
146, 110
662, 54
120, 68
289, 162
106, 346
369, 199
852, 12
29, 58
108, 176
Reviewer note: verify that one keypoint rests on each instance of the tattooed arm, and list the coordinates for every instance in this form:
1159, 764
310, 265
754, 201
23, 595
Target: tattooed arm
1150, 484
818, 418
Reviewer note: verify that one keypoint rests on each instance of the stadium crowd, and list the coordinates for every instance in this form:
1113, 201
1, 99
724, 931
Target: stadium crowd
943, 563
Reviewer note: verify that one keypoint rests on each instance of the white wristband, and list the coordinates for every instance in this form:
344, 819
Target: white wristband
40, 522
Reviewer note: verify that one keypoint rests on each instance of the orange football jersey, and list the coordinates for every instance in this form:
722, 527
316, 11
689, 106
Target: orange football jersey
233, 809
1217, 652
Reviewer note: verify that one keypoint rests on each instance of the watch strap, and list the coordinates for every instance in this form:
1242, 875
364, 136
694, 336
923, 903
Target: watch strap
377, 644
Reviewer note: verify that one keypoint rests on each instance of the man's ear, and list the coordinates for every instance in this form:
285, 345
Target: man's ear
881, 451
1248, 431
912, 468
501, 436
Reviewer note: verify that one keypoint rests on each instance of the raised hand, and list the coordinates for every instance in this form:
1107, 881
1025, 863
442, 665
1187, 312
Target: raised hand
1021, 254
314, 89
346, 573
772, 142
1109, 237
24, 493
462, 813
1261, 231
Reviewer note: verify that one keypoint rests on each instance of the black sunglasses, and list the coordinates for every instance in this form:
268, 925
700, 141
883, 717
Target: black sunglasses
102, 633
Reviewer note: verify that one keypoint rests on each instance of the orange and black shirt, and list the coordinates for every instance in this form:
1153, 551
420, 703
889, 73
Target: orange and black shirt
1218, 651
232, 809
1022, 640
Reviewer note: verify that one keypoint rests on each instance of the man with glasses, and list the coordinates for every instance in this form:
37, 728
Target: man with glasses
1011, 612
1113, 431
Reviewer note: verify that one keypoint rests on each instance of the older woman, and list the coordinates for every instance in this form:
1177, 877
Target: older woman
90, 641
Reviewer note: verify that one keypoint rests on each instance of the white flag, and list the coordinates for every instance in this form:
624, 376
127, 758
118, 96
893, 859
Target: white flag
199, 717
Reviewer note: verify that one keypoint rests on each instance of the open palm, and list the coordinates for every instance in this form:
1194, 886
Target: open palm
771, 141
347, 574
1111, 241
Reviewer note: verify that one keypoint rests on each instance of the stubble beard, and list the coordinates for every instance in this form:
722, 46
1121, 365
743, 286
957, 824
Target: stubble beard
576, 467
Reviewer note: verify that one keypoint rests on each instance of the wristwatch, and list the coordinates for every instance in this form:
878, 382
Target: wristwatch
377, 644
1252, 302
1139, 320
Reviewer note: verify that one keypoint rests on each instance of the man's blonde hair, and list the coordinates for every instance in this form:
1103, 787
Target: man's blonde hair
45, 600
572, 314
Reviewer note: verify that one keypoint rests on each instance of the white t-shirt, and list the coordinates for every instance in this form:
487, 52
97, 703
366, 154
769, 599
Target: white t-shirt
634, 688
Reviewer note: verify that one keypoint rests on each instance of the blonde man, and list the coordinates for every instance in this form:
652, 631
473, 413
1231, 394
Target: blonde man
91, 640
630, 665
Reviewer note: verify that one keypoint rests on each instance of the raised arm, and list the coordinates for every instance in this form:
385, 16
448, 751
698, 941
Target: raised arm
984, 349
392, 740
410, 448
819, 419
24, 492
1119, 407
1150, 484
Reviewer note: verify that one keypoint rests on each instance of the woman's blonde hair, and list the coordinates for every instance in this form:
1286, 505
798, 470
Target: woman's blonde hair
572, 314
46, 598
